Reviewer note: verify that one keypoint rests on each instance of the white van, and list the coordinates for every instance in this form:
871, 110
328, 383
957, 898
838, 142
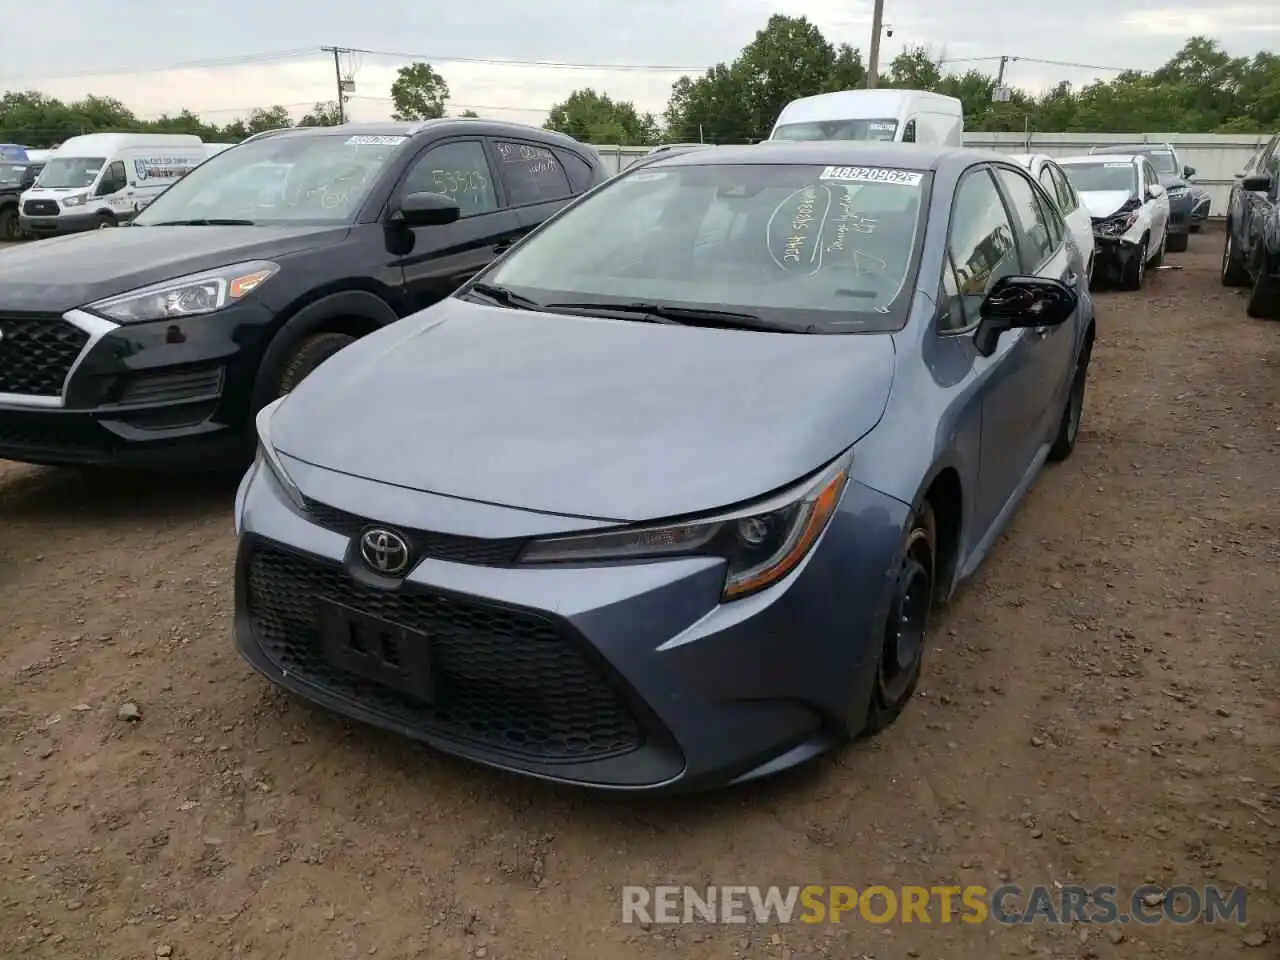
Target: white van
103, 179
903, 116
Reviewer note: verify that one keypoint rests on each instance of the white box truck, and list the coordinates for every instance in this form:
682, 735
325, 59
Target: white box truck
902, 116
103, 179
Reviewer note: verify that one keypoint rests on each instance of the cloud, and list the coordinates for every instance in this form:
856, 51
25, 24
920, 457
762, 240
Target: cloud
683, 33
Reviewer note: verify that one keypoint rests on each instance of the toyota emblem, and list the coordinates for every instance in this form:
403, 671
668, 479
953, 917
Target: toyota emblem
385, 551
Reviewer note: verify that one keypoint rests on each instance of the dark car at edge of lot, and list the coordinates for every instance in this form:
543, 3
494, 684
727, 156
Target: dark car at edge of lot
154, 344
1175, 177
1251, 247
16, 176
662, 499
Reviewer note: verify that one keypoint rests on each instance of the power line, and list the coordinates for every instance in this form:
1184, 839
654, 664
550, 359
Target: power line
552, 64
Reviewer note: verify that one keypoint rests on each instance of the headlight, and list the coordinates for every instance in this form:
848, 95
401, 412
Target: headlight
267, 454
1114, 226
189, 296
74, 200
760, 544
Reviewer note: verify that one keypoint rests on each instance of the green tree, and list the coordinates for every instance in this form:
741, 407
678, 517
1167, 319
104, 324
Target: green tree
325, 114
595, 118
419, 93
468, 113
271, 118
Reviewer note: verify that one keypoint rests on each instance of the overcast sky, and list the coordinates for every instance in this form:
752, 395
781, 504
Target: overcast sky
97, 43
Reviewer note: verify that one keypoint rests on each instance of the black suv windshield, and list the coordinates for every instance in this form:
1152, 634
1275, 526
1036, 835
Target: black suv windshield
11, 173
320, 178
805, 247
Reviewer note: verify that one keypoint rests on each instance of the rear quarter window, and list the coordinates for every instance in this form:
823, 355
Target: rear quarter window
582, 175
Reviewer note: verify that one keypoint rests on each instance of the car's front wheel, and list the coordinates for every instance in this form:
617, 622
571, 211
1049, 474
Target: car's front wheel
308, 355
906, 629
1135, 271
9, 231
1234, 273
1069, 426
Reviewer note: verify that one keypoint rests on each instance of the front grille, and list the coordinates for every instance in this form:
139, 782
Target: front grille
36, 353
476, 551
506, 680
40, 208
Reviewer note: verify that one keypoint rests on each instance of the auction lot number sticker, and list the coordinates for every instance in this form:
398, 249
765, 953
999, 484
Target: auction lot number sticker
901, 178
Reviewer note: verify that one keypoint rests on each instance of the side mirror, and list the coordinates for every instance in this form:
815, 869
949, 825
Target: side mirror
1017, 302
1260, 182
1188, 172
425, 210
1154, 191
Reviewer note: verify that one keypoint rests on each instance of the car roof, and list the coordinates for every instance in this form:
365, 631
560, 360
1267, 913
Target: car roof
1093, 158
871, 153
412, 128
1132, 148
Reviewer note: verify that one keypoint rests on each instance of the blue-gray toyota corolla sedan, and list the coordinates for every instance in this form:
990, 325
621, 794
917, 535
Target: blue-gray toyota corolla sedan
662, 499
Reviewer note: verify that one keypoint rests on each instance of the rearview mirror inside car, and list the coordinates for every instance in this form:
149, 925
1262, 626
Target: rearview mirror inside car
1261, 182
1016, 302
426, 210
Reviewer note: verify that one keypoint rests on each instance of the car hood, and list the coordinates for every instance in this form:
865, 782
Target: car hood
61, 273
586, 417
1103, 203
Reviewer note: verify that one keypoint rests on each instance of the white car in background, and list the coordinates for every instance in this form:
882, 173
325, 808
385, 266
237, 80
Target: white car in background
1130, 212
1059, 188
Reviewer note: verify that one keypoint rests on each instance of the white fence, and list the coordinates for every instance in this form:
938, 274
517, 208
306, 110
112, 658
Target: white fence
1215, 156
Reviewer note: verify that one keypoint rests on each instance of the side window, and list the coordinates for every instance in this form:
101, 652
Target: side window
1067, 198
531, 174
1046, 181
909, 132
981, 247
581, 174
458, 170
1052, 218
114, 179
1150, 172
1030, 218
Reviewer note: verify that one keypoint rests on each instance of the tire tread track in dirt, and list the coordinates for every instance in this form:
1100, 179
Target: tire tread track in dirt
1099, 706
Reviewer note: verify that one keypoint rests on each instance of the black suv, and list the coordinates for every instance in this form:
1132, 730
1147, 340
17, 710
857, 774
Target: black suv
16, 176
1251, 252
156, 343
1175, 177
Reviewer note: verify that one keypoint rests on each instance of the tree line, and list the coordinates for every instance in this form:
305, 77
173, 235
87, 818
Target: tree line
1201, 89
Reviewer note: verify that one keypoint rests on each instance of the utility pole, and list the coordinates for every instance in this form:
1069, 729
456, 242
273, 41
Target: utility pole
1004, 61
337, 73
873, 60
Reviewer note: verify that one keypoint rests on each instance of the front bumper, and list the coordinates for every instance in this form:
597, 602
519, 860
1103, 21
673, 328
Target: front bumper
1180, 213
80, 389
1200, 208
61, 224
625, 677
1113, 256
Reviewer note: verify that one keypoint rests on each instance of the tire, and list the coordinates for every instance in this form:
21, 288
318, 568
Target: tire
103, 220
1064, 442
1264, 298
308, 355
1093, 260
1234, 273
1178, 242
9, 232
1194, 228
907, 626
1135, 270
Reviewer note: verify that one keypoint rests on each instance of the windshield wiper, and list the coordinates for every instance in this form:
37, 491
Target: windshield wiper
203, 223
686, 316
508, 298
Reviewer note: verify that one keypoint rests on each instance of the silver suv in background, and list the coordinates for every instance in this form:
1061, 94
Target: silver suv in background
1174, 176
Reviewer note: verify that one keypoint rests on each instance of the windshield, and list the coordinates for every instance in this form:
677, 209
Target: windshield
11, 173
818, 249
1162, 160
319, 179
63, 172
838, 130
1104, 175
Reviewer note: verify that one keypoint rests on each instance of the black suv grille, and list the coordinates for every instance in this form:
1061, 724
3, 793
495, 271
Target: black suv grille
440, 546
40, 208
36, 353
508, 680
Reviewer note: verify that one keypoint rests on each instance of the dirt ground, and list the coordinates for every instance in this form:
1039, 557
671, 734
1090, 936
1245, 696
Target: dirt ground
1100, 706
